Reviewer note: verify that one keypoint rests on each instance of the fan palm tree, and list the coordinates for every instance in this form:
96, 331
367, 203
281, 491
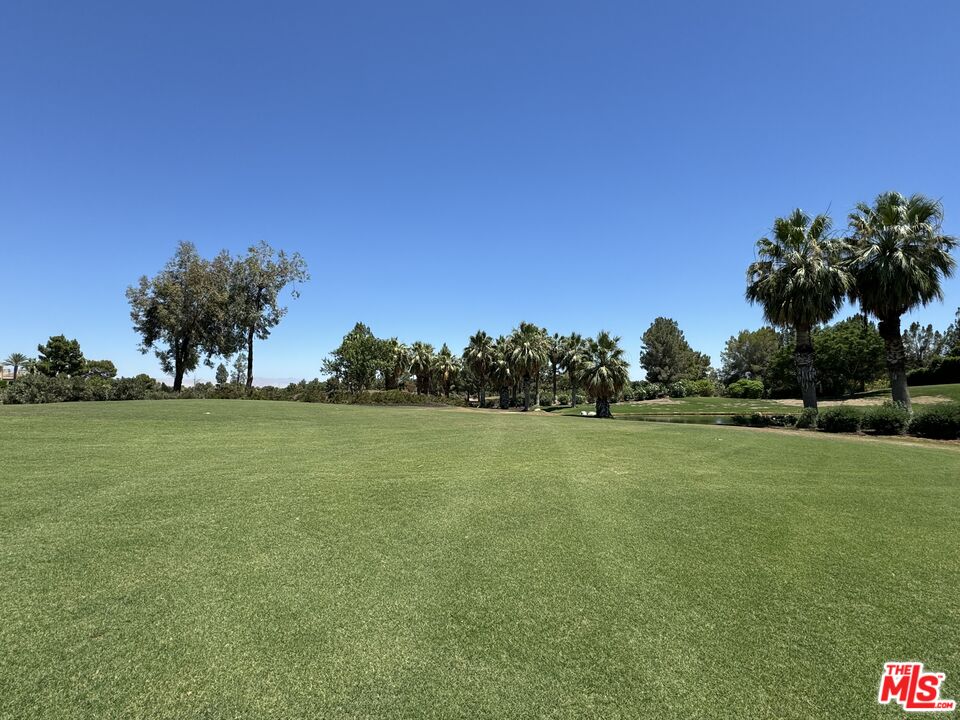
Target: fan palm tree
398, 359
574, 350
479, 355
16, 361
528, 353
898, 257
604, 371
799, 282
501, 371
446, 368
421, 365
556, 349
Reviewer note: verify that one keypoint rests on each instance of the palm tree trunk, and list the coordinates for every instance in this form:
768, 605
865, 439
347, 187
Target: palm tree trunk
482, 394
15, 369
896, 360
526, 394
806, 372
573, 390
513, 399
504, 397
250, 358
555, 401
603, 408
538, 388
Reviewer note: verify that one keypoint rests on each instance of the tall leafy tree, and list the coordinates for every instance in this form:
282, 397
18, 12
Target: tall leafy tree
528, 353
898, 256
799, 282
397, 363
421, 365
501, 371
104, 369
574, 353
183, 313
16, 361
258, 280
747, 354
605, 371
446, 368
59, 356
921, 344
556, 349
222, 376
849, 354
357, 360
667, 356
479, 355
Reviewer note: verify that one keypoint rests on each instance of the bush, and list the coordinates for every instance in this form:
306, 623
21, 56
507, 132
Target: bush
701, 388
808, 418
677, 389
940, 371
941, 422
741, 419
886, 419
840, 419
750, 389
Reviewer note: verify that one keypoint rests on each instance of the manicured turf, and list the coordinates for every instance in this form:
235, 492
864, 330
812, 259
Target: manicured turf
688, 406
218, 559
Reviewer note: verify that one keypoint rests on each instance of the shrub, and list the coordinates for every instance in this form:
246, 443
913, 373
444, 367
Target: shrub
941, 422
840, 419
758, 419
751, 389
701, 388
741, 419
886, 419
940, 371
677, 389
562, 399
808, 418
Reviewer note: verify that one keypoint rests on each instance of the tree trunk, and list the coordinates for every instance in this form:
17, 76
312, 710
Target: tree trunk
504, 397
15, 369
178, 376
573, 391
482, 394
603, 408
513, 399
538, 388
555, 401
250, 358
896, 360
526, 394
806, 372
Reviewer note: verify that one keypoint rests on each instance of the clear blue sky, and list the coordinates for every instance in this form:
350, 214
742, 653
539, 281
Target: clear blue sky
445, 167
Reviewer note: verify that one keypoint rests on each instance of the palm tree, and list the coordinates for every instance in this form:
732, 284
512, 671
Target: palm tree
898, 258
800, 282
421, 365
399, 358
574, 350
16, 361
479, 355
446, 368
528, 353
604, 372
556, 349
501, 370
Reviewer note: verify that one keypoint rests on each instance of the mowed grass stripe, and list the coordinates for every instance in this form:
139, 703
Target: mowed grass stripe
278, 559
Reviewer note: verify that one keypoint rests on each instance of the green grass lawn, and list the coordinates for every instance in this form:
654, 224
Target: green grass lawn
228, 559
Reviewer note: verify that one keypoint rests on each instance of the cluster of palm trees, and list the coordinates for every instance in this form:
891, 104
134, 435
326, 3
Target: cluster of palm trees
514, 362
892, 259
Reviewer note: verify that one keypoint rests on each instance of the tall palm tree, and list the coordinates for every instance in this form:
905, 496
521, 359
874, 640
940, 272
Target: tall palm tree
898, 257
16, 361
398, 358
800, 282
604, 371
478, 355
446, 368
556, 349
421, 365
501, 371
528, 353
574, 350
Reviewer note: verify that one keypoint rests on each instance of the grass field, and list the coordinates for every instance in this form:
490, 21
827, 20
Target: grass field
228, 559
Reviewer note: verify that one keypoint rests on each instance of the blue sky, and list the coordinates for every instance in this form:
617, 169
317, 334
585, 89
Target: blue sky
445, 167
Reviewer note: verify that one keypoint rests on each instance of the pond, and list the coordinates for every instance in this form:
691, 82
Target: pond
688, 419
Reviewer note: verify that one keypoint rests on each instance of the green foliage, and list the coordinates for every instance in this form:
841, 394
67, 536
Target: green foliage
849, 354
667, 356
60, 356
808, 418
605, 370
941, 422
104, 369
677, 389
16, 361
941, 371
751, 389
886, 419
922, 344
222, 376
356, 362
840, 419
747, 354
700, 388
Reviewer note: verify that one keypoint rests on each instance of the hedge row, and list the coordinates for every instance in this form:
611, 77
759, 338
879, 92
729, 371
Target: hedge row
941, 422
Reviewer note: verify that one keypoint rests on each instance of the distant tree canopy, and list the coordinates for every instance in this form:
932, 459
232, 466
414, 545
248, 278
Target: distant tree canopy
748, 353
60, 356
667, 356
104, 369
356, 362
